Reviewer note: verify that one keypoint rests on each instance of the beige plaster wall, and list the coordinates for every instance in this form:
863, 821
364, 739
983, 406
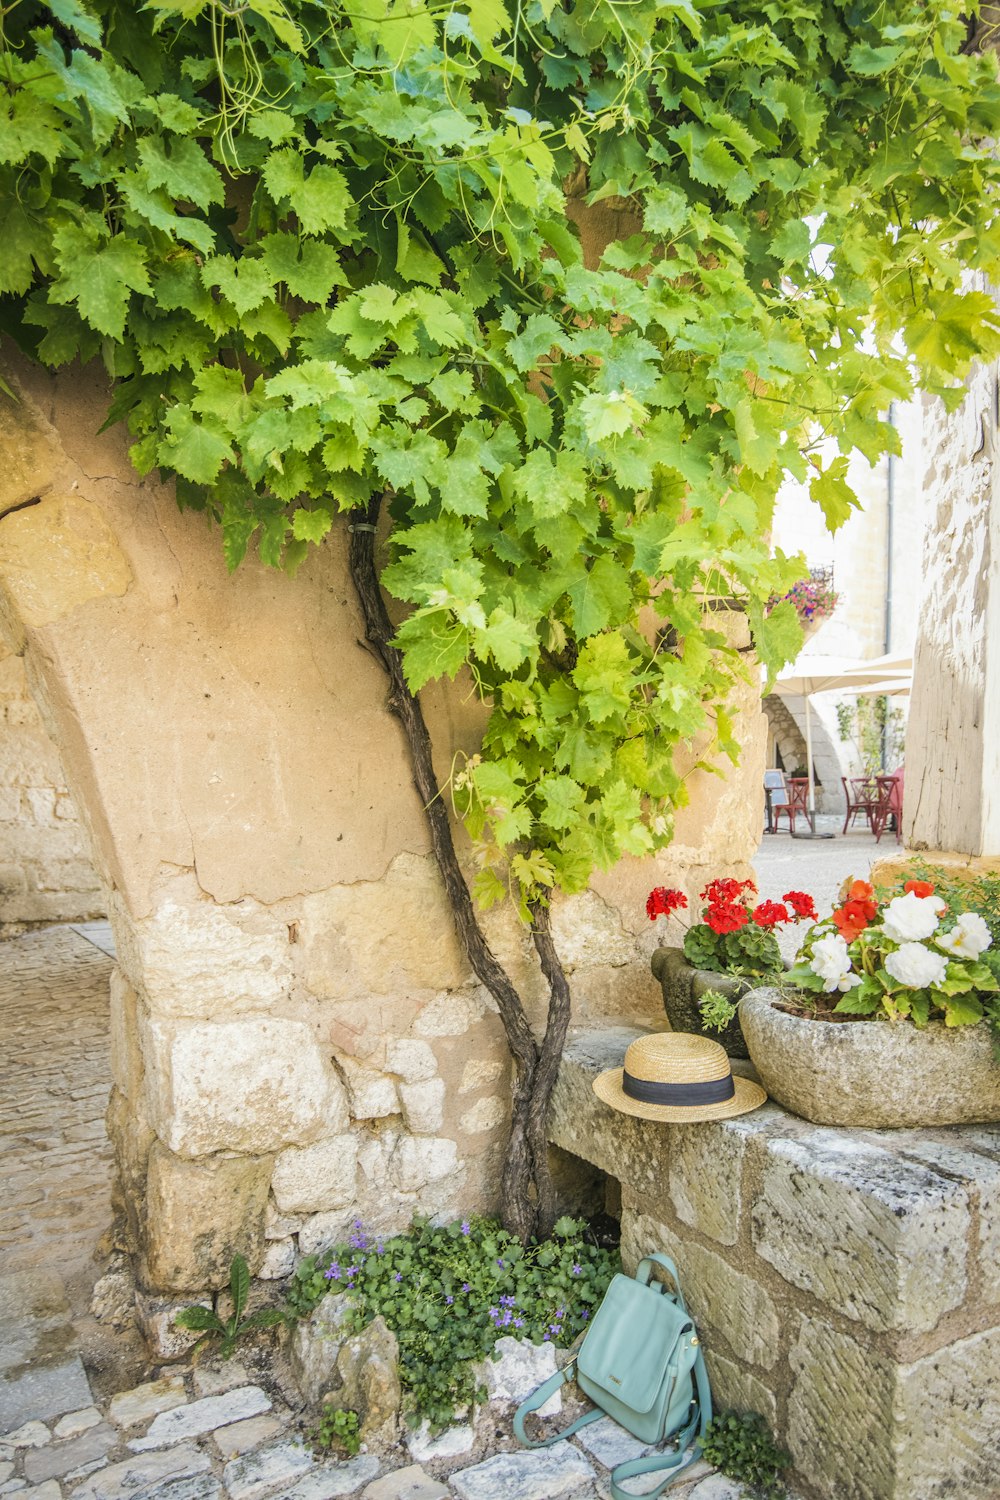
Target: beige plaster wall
46, 872
297, 1040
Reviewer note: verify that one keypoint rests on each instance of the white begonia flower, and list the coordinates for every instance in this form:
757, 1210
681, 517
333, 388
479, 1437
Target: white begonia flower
832, 963
910, 918
969, 937
916, 966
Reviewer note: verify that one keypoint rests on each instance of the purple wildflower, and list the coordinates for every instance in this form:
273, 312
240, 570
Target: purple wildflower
518, 1322
577, 1269
449, 1300
507, 1300
505, 1321
466, 1287
398, 1276
466, 1227
333, 1274
500, 1264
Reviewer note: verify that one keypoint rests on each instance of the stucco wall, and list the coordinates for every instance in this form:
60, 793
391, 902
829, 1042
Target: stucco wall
297, 1040
46, 872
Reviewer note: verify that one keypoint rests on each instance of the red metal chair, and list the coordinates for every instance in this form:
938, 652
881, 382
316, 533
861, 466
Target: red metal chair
862, 796
797, 788
890, 805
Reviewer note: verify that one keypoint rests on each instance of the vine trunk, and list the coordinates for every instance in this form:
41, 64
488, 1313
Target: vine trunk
526, 1198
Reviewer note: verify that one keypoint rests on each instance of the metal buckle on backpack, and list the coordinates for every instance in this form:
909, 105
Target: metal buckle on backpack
570, 1370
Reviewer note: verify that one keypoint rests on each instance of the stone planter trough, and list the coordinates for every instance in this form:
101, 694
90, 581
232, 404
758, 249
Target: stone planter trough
683, 987
871, 1073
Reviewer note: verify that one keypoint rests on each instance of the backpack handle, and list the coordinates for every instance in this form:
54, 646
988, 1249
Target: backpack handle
644, 1271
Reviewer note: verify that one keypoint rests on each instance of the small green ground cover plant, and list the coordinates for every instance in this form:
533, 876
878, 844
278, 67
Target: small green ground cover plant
449, 1292
227, 1331
741, 1445
339, 1429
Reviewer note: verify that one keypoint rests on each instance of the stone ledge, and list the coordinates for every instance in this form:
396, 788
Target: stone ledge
816, 1259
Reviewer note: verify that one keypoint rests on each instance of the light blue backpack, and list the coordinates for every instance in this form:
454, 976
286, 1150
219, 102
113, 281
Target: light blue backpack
641, 1363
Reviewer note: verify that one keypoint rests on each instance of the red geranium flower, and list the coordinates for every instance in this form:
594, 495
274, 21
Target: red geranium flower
802, 904
662, 902
770, 914
726, 916
726, 890
853, 917
919, 887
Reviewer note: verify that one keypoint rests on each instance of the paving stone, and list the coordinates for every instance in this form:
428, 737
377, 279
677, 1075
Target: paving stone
75, 1422
202, 1416
199, 1487
330, 1483
16, 1487
411, 1483
209, 1382
142, 1476
31, 1435
717, 1487
6, 1470
62, 1458
48, 1491
450, 1443
42, 1391
518, 1368
144, 1402
610, 1444
259, 1473
240, 1437
544, 1475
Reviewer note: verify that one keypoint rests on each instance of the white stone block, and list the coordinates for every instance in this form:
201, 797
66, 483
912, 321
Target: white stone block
279, 1260
260, 1473
252, 1086
75, 1422
194, 958
478, 1072
450, 1014
335, 1480
317, 1178
416, 1162
549, 1474
422, 1446
129, 1408
413, 1061
372, 1094
202, 1416
30, 1435
324, 1230
143, 1473
517, 1368
423, 1105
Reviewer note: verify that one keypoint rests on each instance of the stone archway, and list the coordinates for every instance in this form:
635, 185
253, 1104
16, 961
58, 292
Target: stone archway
784, 717
296, 1039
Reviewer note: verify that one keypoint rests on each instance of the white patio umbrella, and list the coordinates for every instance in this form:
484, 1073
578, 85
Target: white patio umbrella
826, 674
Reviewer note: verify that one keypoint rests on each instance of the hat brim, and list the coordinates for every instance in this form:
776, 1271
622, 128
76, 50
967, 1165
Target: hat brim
608, 1088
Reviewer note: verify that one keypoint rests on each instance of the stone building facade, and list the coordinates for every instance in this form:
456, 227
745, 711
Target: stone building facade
297, 1040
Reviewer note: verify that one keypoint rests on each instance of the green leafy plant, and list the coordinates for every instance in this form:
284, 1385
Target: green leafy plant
877, 730
339, 1429
227, 1332
448, 1292
742, 1446
717, 1010
332, 259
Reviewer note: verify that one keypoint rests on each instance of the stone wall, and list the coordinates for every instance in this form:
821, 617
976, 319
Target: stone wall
297, 1040
845, 1283
46, 872
953, 740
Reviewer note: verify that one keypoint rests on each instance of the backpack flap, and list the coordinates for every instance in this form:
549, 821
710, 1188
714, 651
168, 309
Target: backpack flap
637, 1349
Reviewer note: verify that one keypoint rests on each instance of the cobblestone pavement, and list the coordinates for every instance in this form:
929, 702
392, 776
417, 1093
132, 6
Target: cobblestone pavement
55, 1158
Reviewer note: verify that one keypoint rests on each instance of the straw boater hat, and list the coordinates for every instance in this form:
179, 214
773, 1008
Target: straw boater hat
677, 1077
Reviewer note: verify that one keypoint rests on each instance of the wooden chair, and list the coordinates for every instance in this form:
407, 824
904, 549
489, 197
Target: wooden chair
797, 788
862, 796
890, 805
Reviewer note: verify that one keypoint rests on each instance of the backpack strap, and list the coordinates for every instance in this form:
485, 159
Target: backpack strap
538, 1398
688, 1437
644, 1271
